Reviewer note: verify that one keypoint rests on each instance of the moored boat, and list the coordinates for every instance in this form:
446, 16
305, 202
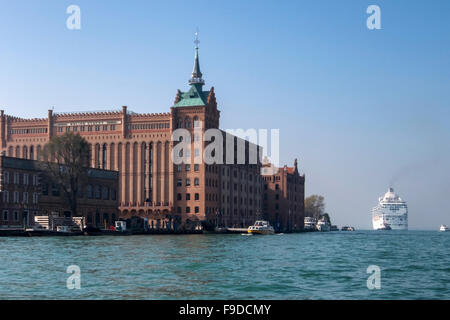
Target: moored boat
261, 227
347, 228
323, 225
310, 224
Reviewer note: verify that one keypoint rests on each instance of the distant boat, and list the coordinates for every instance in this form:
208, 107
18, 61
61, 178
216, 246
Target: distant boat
323, 226
385, 227
444, 228
334, 228
261, 227
346, 228
310, 224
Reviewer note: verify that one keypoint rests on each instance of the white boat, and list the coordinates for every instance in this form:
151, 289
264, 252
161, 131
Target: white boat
310, 223
261, 227
323, 225
444, 228
391, 213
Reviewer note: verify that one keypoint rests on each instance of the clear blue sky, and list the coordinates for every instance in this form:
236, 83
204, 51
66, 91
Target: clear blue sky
359, 108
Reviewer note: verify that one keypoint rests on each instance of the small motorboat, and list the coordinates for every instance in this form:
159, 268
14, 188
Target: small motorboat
347, 228
444, 228
323, 225
261, 227
385, 227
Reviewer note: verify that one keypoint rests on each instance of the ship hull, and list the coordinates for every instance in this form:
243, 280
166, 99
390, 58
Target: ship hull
395, 222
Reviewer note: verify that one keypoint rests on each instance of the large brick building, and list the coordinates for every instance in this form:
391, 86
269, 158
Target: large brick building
139, 147
25, 193
284, 197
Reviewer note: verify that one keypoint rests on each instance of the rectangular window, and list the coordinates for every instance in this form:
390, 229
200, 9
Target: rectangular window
188, 196
55, 190
16, 216
5, 196
188, 167
197, 209
25, 197
105, 193
26, 178
188, 209
114, 194
16, 178
197, 181
16, 197
179, 183
5, 215
188, 182
35, 197
6, 176
196, 167
179, 196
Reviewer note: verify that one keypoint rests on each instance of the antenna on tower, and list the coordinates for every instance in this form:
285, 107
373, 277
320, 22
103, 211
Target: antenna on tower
196, 41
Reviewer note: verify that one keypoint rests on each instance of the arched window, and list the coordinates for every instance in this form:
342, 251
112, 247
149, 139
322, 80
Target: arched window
17, 152
31, 153
196, 122
25, 152
97, 156
187, 122
180, 123
104, 156
39, 153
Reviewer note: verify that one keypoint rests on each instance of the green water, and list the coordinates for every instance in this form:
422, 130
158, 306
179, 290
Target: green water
414, 265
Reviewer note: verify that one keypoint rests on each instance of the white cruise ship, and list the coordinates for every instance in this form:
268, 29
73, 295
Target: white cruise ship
391, 213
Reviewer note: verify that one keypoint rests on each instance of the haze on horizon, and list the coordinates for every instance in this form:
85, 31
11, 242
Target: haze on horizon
361, 109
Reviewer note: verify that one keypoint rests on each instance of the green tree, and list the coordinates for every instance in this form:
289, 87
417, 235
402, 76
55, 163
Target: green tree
315, 206
66, 162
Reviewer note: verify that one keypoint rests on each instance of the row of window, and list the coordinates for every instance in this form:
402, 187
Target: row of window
188, 196
197, 210
242, 187
15, 216
277, 197
187, 167
28, 131
187, 123
18, 199
242, 201
20, 178
111, 127
145, 126
91, 192
188, 182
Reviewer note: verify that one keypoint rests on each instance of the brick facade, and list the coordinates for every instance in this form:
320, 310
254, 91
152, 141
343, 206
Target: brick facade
284, 198
24, 194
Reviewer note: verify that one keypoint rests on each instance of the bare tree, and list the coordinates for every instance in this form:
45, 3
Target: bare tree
314, 206
66, 161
